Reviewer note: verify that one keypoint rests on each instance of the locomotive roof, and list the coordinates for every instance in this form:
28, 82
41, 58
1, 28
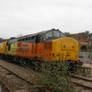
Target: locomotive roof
44, 36
39, 33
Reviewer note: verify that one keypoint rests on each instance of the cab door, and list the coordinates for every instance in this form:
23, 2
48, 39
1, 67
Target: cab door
56, 50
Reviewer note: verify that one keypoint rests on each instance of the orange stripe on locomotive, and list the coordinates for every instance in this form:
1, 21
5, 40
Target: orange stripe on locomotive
24, 50
37, 51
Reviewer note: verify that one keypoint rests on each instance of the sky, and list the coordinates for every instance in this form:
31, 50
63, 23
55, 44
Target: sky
22, 17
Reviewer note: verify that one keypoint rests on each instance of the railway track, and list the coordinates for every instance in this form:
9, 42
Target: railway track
17, 78
12, 81
25, 74
82, 81
28, 75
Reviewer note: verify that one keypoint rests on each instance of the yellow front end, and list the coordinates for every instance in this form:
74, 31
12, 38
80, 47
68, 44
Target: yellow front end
65, 49
12, 49
56, 50
3, 47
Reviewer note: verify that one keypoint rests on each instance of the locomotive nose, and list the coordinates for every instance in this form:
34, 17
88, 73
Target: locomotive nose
65, 49
68, 44
69, 49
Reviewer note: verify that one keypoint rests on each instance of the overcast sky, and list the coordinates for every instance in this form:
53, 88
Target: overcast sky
29, 16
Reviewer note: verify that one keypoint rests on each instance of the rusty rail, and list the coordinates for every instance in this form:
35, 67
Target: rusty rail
21, 72
15, 77
82, 81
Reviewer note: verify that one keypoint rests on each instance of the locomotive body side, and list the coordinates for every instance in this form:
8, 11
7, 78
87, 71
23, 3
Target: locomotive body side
48, 51
36, 51
56, 50
39, 51
24, 50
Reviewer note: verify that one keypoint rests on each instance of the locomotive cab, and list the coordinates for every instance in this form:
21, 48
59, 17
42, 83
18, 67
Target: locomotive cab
64, 49
70, 49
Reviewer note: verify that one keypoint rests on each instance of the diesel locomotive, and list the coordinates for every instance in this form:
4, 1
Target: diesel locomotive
51, 45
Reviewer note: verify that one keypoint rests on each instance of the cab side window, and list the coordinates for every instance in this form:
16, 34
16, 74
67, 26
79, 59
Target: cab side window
48, 35
56, 34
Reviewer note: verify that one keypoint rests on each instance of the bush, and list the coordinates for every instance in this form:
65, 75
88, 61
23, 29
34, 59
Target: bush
55, 77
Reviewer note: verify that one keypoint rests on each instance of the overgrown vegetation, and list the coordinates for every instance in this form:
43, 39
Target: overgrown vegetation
54, 77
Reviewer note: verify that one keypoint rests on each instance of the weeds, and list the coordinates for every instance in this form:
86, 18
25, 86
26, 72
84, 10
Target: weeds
55, 77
